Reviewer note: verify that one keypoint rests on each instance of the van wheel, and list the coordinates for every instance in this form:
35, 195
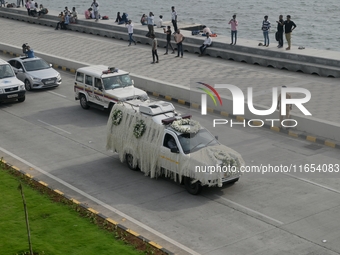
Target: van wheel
129, 162
28, 85
22, 99
192, 188
83, 102
232, 181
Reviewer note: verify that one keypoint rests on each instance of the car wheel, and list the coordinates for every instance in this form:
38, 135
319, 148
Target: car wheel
129, 162
192, 188
28, 85
83, 102
22, 99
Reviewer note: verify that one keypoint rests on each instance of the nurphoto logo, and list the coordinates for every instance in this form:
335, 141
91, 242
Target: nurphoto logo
238, 98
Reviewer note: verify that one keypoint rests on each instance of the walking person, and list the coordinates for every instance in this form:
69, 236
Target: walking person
289, 26
174, 18
207, 43
151, 23
95, 8
265, 29
154, 49
179, 41
280, 23
233, 24
130, 31
168, 40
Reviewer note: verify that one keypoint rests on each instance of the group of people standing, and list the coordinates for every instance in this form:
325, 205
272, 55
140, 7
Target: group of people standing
286, 27
283, 26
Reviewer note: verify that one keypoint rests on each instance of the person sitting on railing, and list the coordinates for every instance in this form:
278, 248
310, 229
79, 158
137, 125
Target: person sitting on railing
207, 43
74, 15
144, 19
88, 13
42, 11
124, 20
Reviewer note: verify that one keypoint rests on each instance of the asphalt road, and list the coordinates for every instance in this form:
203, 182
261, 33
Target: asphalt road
53, 138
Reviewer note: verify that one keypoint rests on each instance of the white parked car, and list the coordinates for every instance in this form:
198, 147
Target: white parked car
101, 87
10, 87
35, 72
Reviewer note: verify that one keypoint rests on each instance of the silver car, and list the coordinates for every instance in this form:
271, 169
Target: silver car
35, 72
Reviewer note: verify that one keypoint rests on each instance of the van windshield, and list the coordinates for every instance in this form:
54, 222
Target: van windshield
114, 82
195, 142
6, 71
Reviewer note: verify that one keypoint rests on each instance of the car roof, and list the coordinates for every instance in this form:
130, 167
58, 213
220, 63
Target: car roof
97, 70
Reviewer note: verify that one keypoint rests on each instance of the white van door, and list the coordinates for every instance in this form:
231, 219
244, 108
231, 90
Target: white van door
99, 92
169, 156
89, 88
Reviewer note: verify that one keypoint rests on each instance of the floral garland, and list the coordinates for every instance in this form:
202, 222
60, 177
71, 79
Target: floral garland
186, 126
226, 161
117, 116
139, 128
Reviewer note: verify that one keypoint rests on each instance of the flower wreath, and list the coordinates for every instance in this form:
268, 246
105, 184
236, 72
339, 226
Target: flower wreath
139, 128
226, 161
117, 116
186, 126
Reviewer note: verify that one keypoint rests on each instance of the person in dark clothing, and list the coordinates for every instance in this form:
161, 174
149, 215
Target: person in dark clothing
168, 40
280, 31
119, 18
289, 26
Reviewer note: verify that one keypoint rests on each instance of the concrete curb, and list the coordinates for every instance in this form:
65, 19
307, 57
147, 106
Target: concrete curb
148, 86
89, 209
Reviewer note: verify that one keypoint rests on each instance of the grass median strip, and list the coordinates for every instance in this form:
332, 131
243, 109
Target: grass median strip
55, 225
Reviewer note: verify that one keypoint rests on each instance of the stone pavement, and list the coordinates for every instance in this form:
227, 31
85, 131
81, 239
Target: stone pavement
92, 49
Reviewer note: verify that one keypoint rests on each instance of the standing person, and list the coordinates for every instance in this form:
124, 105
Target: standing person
233, 24
28, 6
130, 31
154, 49
95, 8
288, 107
280, 23
151, 23
168, 40
179, 41
174, 18
265, 29
29, 52
207, 43
289, 27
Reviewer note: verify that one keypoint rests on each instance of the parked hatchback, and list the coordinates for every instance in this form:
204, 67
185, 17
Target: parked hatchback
35, 72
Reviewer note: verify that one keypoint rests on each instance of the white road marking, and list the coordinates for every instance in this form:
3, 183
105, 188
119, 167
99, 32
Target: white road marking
155, 232
54, 127
251, 210
57, 94
313, 183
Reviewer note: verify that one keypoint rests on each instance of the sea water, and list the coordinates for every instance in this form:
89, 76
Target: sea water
317, 25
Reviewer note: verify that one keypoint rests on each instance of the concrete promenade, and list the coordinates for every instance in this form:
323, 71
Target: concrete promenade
174, 76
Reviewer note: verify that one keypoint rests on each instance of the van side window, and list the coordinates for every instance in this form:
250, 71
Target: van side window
88, 80
169, 142
80, 77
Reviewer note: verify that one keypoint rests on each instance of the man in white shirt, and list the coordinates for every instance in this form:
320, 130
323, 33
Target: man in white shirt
130, 31
207, 43
151, 23
206, 30
95, 8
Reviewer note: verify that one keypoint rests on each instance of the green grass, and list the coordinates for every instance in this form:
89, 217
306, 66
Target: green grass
55, 228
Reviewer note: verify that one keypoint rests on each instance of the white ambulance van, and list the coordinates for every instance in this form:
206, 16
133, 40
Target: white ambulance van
152, 137
101, 87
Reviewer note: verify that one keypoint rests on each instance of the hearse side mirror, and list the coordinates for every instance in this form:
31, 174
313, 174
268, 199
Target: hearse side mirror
174, 150
133, 82
216, 137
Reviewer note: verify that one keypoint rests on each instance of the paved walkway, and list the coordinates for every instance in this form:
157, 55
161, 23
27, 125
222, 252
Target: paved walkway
93, 49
